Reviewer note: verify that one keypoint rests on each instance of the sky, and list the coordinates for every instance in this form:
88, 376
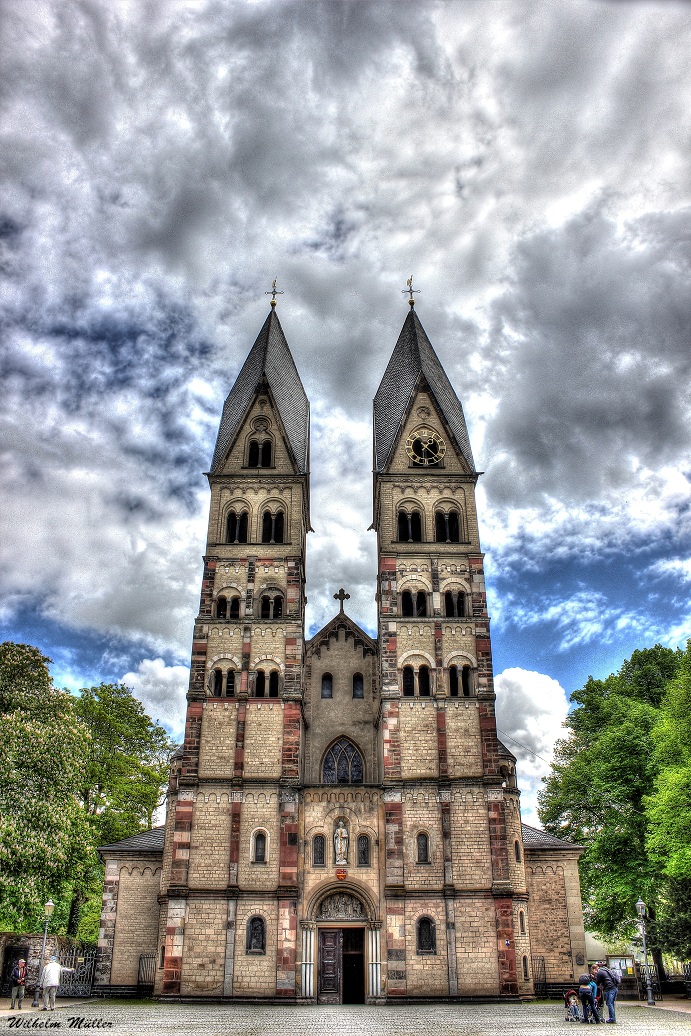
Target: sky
162, 162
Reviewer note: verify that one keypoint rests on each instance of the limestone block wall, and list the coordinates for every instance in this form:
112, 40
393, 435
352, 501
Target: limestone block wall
263, 739
255, 974
203, 961
427, 973
260, 812
476, 946
210, 839
463, 738
136, 929
418, 733
550, 925
522, 939
217, 749
422, 814
472, 868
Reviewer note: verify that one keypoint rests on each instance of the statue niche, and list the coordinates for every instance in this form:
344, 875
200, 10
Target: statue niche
341, 842
341, 906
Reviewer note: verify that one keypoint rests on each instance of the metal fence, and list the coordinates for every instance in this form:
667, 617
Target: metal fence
78, 982
642, 979
146, 974
539, 976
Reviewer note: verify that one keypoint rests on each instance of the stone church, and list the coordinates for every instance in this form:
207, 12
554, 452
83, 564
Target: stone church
343, 823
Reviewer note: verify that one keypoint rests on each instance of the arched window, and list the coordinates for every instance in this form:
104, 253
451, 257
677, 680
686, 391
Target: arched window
255, 941
253, 454
327, 685
266, 453
221, 607
426, 932
358, 686
465, 681
363, 851
409, 526
343, 764
454, 604
526, 970
230, 683
407, 603
453, 681
408, 682
423, 681
271, 607
265, 607
235, 607
259, 847
278, 606
521, 922
218, 683
273, 683
447, 526
517, 850
272, 527
423, 847
319, 851
236, 527
421, 603
260, 684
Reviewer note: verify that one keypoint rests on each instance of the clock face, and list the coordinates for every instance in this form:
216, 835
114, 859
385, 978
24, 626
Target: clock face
425, 447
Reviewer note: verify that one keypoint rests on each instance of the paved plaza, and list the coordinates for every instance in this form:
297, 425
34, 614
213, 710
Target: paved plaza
123, 1019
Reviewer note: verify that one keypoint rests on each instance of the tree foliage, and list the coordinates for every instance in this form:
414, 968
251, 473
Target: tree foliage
606, 782
75, 773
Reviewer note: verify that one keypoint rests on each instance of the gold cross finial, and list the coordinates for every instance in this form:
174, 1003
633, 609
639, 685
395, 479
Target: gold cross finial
341, 596
273, 292
410, 290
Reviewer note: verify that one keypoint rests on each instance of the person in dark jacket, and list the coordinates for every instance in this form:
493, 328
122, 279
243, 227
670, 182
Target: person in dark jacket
18, 980
586, 992
609, 985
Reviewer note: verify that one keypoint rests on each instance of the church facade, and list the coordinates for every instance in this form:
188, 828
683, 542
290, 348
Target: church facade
343, 822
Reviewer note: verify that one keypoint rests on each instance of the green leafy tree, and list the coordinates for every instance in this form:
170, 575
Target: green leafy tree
596, 791
44, 835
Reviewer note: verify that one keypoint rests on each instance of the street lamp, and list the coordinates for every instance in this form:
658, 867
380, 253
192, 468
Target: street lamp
642, 911
48, 909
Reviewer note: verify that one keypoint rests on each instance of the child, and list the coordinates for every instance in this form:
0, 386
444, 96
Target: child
571, 1005
587, 990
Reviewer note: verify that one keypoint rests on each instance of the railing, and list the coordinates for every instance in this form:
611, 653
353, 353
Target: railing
642, 973
78, 982
146, 974
539, 976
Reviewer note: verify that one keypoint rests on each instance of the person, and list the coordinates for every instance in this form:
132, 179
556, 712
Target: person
586, 991
50, 980
571, 1006
18, 980
607, 982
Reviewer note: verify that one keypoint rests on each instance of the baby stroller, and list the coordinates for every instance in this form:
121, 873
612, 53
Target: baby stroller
598, 1003
571, 1003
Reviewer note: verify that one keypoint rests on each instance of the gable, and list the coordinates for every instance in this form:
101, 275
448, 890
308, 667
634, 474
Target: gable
261, 424
424, 419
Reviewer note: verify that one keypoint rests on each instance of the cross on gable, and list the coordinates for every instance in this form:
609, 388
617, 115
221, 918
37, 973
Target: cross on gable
341, 596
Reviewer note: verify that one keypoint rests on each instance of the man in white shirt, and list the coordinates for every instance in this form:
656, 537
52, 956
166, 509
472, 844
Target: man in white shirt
50, 981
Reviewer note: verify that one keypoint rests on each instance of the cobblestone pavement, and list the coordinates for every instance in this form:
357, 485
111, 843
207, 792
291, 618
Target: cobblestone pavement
140, 1019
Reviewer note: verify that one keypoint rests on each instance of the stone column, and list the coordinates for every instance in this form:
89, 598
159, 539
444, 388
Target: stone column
230, 948
374, 958
307, 966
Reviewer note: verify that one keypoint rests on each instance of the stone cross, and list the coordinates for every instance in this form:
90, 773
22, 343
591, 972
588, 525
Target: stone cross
341, 596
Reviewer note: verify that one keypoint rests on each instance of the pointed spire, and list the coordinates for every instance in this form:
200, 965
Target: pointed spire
413, 357
269, 360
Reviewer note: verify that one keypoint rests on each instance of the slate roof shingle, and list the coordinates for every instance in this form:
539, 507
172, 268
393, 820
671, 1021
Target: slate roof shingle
413, 355
534, 838
270, 357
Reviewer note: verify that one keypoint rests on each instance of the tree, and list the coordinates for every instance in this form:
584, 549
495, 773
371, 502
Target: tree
596, 791
44, 833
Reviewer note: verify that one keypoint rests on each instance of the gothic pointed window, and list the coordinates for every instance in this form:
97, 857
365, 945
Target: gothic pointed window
408, 682
221, 607
453, 681
423, 848
426, 935
260, 685
421, 603
230, 683
327, 685
343, 764
273, 683
319, 851
363, 851
358, 686
423, 681
406, 603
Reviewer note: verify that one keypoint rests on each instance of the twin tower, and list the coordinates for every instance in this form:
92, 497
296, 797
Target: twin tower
343, 823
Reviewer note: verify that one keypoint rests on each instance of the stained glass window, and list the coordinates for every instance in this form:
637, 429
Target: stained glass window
343, 764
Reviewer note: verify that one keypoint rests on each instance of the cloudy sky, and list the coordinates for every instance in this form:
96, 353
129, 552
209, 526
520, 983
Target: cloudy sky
161, 162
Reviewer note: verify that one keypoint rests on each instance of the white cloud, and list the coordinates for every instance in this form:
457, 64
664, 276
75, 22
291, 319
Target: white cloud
162, 690
530, 709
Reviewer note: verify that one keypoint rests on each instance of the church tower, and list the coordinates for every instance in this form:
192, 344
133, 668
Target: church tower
233, 812
454, 863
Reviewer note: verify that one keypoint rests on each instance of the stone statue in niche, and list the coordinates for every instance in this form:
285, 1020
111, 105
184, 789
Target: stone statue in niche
341, 906
341, 842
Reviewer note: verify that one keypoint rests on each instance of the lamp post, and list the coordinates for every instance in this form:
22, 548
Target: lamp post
48, 908
642, 911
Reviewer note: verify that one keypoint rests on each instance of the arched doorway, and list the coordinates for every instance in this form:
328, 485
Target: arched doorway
347, 965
